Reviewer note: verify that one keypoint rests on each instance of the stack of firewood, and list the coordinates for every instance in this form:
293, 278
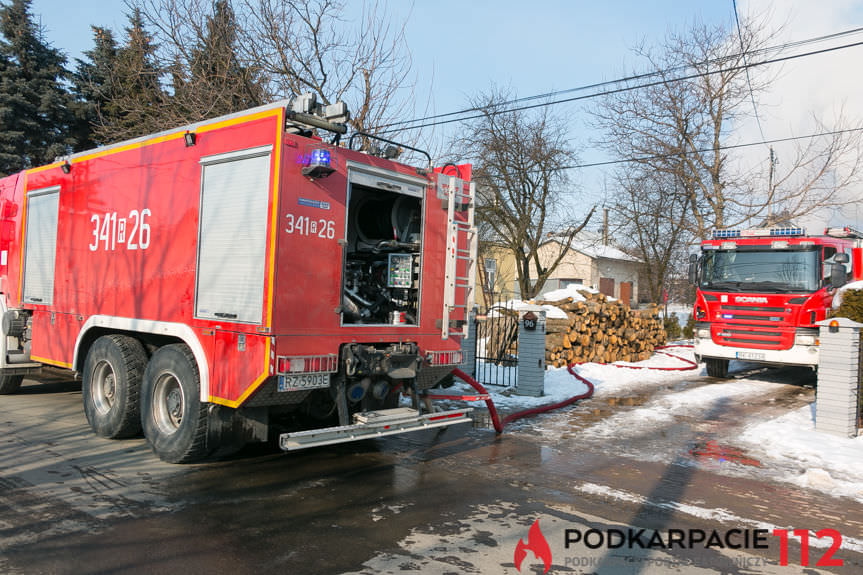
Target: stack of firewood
600, 330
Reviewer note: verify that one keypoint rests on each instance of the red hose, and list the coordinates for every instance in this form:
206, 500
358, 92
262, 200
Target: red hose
489, 403
658, 349
499, 425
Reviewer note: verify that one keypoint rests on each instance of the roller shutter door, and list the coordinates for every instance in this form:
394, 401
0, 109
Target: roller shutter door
41, 245
232, 236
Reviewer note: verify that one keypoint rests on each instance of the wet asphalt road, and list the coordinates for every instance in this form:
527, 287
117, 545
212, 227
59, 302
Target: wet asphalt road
451, 501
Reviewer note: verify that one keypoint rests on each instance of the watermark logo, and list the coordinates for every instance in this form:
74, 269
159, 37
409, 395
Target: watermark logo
537, 543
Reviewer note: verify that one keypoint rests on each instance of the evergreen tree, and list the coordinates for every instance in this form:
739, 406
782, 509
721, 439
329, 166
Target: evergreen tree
135, 102
212, 82
35, 109
93, 85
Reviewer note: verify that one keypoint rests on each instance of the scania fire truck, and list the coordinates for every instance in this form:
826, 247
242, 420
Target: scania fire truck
214, 282
760, 292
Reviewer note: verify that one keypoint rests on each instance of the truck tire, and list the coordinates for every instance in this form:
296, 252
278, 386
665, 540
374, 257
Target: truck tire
717, 367
111, 386
173, 417
10, 384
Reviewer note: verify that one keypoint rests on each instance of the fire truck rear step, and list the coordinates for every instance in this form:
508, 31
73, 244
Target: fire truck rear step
372, 424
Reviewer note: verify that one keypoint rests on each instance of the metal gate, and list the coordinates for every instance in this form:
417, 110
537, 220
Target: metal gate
496, 349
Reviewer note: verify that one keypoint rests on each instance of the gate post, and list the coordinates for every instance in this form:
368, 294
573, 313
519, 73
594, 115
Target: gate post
468, 345
531, 352
836, 400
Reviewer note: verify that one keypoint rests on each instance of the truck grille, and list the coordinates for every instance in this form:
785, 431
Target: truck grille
754, 308
754, 326
753, 336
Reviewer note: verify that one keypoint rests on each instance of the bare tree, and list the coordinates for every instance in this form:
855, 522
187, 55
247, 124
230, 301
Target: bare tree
651, 212
521, 192
307, 46
220, 56
683, 124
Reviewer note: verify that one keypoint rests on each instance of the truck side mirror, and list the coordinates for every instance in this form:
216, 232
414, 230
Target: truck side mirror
841, 258
837, 274
693, 269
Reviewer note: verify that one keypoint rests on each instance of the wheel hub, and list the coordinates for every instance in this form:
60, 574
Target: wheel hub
103, 389
168, 403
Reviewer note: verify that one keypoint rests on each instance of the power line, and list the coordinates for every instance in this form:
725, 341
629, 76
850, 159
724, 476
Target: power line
630, 79
703, 150
748, 80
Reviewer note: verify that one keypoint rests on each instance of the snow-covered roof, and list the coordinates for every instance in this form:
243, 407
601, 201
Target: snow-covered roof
594, 248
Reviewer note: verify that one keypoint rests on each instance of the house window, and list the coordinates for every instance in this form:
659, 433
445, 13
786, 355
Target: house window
490, 274
565, 283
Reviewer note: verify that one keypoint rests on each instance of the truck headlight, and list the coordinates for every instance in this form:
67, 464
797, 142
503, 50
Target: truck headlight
702, 333
805, 339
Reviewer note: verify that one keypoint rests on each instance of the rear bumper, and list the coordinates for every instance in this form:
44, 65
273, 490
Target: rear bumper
796, 355
374, 424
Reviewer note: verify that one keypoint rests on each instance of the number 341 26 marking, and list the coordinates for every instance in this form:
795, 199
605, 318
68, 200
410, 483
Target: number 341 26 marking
108, 231
306, 226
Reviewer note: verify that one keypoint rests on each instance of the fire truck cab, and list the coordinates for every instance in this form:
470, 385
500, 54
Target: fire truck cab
760, 292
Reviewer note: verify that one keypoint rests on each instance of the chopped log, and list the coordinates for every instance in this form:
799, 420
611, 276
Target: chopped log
555, 325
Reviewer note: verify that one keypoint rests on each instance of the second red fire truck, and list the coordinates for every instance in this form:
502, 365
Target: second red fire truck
212, 281
760, 292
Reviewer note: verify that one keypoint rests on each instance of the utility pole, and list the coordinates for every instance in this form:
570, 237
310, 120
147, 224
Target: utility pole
770, 189
605, 226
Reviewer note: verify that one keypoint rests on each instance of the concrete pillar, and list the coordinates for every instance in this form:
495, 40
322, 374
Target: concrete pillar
838, 377
468, 345
531, 352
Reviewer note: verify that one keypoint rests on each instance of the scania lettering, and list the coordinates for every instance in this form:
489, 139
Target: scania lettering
760, 292
219, 280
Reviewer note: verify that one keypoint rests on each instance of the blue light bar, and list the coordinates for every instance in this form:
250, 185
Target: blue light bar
320, 157
722, 234
785, 232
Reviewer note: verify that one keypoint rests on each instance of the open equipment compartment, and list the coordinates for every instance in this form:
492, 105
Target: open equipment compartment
381, 273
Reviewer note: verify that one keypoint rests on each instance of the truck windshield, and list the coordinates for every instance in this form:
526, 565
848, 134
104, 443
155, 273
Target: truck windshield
761, 271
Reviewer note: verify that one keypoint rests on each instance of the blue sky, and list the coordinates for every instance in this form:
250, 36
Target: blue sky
462, 47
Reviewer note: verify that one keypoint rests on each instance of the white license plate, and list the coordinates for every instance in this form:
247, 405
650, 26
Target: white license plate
303, 381
751, 355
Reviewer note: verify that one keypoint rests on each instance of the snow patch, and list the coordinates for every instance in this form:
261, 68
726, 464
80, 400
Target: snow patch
821, 461
667, 408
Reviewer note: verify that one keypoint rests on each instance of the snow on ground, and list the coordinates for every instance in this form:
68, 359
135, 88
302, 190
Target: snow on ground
681, 311
560, 384
666, 409
788, 446
816, 460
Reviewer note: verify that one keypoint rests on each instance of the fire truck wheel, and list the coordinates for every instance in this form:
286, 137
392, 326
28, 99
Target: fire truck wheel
717, 367
173, 417
10, 384
111, 386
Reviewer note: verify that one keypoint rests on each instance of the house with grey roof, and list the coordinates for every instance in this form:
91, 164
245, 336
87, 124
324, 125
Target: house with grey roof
592, 263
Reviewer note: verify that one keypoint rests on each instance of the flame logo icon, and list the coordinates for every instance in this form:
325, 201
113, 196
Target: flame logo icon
535, 542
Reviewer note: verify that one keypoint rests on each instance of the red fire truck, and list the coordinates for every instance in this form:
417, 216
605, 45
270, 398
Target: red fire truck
760, 292
216, 281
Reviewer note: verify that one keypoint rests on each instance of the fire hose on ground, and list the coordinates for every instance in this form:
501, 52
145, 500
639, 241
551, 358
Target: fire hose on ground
499, 424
